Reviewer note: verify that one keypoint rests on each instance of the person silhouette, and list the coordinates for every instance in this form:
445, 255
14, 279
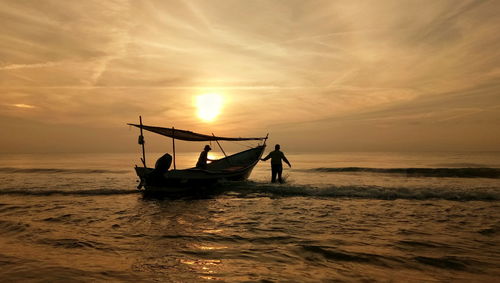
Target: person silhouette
202, 160
161, 167
276, 165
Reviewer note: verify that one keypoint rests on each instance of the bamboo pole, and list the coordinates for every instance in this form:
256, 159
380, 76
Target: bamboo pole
141, 140
222, 150
220, 146
173, 145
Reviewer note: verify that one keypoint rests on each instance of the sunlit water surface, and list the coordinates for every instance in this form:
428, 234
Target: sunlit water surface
340, 216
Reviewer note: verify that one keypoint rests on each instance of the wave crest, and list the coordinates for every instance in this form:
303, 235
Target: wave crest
89, 192
417, 172
60, 170
257, 189
364, 192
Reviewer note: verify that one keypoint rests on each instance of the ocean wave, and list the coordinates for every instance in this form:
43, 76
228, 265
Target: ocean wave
333, 254
10, 228
446, 262
60, 170
258, 189
416, 172
89, 192
69, 243
250, 189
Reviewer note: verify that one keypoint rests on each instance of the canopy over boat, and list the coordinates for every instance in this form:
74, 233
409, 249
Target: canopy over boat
188, 135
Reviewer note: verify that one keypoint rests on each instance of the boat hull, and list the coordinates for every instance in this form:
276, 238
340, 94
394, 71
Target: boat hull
237, 167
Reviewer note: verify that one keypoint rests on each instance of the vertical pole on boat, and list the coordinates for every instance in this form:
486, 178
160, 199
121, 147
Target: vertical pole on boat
219, 146
173, 145
227, 159
141, 142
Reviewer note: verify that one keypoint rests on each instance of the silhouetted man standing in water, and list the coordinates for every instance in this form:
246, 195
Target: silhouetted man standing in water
276, 165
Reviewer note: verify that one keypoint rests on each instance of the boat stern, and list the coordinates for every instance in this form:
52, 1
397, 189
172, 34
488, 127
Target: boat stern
142, 172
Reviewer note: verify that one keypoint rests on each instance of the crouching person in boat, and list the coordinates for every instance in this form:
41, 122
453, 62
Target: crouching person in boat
203, 159
276, 165
161, 167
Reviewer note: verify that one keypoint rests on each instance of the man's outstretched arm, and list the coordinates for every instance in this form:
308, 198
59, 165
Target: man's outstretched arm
267, 157
286, 161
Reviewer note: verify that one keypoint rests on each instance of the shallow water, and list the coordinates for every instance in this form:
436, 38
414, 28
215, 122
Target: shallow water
80, 218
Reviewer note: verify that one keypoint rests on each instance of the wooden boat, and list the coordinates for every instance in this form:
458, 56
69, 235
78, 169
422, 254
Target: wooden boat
234, 167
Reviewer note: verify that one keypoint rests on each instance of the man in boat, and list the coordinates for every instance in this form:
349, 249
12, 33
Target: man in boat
276, 165
202, 160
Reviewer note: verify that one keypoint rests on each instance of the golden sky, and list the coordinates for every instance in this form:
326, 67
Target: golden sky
317, 75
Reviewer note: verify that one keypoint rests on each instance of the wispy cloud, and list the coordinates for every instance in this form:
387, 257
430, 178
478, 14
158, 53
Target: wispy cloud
29, 66
22, 105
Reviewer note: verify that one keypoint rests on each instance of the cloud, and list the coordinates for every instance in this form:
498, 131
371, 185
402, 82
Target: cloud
25, 66
21, 105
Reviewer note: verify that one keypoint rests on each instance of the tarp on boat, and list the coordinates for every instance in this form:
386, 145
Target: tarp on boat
188, 135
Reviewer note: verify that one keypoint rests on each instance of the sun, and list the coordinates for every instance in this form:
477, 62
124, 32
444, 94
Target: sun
209, 106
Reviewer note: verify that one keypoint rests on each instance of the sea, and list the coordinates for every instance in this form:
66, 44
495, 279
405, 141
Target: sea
339, 217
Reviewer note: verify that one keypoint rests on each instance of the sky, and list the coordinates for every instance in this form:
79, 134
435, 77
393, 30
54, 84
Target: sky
316, 75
